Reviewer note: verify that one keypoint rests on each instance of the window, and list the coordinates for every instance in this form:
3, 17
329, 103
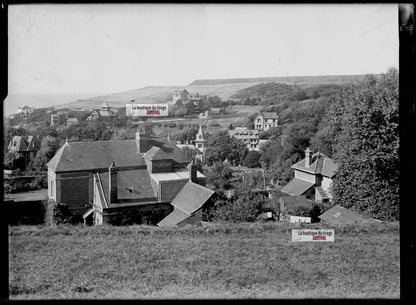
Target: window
52, 189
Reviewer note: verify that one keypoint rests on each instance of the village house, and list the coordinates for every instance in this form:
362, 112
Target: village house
313, 177
25, 110
103, 112
26, 147
249, 137
215, 110
54, 119
105, 181
71, 121
203, 115
266, 120
180, 95
187, 97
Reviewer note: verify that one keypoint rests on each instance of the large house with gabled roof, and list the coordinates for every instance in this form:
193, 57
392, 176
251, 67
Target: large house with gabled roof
26, 147
266, 120
104, 112
107, 181
313, 177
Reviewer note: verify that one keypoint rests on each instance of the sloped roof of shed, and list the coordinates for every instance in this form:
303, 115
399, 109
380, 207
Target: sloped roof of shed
297, 187
192, 197
339, 215
175, 217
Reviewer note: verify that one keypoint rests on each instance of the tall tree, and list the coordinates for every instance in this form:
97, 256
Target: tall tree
47, 150
221, 146
364, 126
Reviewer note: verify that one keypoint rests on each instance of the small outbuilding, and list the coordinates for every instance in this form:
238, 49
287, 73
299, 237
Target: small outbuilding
338, 215
188, 206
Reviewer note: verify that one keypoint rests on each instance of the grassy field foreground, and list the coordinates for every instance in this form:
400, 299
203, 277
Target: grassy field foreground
216, 261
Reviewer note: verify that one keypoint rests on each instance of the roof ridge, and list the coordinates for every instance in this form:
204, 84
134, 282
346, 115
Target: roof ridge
112, 140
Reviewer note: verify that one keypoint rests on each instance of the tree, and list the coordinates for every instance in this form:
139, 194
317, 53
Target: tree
219, 176
252, 159
47, 150
221, 146
322, 141
245, 207
364, 125
238, 151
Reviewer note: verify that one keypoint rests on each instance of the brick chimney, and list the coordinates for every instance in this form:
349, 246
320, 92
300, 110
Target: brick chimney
112, 183
141, 140
308, 157
192, 172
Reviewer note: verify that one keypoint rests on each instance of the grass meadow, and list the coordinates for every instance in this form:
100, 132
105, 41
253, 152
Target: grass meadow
250, 260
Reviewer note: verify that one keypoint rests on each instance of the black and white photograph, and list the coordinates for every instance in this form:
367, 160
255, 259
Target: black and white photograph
202, 151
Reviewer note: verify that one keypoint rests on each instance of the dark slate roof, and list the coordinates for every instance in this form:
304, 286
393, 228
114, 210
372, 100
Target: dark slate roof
156, 153
320, 164
297, 187
93, 155
338, 215
77, 156
269, 115
192, 197
137, 180
292, 202
169, 148
23, 143
175, 217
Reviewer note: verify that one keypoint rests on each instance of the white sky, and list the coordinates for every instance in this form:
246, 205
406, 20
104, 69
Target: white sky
77, 49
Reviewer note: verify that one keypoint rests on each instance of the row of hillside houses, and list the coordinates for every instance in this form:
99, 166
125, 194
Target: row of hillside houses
263, 121
25, 110
148, 180
249, 137
186, 97
103, 112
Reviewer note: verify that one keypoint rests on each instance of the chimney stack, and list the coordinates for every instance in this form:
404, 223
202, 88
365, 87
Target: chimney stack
112, 183
308, 157
192, 172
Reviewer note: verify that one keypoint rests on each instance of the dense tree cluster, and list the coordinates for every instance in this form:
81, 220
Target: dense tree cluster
220, 146
365, 128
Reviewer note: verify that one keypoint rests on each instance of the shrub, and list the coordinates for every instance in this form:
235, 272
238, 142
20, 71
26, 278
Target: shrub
58, 213
244, 208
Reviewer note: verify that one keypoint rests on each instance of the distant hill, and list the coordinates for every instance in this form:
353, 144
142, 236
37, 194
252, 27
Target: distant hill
282, 79
154, 95
224, 88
